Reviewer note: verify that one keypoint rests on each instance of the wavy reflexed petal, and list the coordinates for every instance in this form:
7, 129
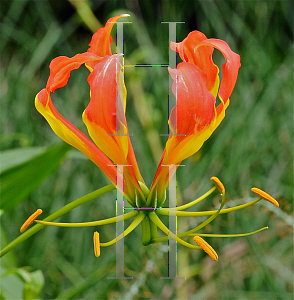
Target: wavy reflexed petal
196, 86
101, 40
106, 123
202, 58
71, 135
194, 114
60, 68
197, 49
105, 114
104, 117
230, 67
230, 73
191, 121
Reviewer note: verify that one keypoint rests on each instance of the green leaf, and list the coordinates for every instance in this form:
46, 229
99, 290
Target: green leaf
11, 286
33, 289
14, 157
19, 181
18, 283
34, 283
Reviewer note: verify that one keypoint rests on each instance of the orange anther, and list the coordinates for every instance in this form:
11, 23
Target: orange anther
265, 196
30, 220
206, 247
96, 240
218, 184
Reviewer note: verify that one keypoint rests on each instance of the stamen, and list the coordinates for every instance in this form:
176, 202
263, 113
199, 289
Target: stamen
124, 217
218, 184
185, 206
229, 235
164, 239
206, 247
165, 212
139, 218
30, 220
210, 219
265, 196
154, 218
96, 241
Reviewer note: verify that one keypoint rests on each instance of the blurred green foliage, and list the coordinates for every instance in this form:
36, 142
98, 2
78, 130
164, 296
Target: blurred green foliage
252, 147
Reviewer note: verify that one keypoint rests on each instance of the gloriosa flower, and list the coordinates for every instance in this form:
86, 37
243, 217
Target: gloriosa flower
194, 118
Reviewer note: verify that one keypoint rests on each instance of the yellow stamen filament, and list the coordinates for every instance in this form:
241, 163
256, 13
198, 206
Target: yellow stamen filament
30, 220
265, 196
218, 184
96, 240
206, 247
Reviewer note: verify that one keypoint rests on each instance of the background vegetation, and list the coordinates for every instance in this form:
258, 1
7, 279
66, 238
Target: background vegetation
252, 147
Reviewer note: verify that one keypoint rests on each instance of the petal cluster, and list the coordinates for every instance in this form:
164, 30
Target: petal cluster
196, 87
110, 148
194, 118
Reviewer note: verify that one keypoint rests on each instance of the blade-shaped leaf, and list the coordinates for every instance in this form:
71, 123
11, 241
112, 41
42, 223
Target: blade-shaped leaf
19, 181
14, 157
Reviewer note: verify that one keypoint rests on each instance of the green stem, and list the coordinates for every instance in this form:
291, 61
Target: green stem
65, 209
154, 218
229, 235
132, 226
166, 212
153, 230
124, 217
159, 240
146, 234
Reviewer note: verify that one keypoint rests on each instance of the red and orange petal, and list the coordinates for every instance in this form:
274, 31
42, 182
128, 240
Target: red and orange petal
191, 122
101, 115
192, 119
175, 152
60, 68
188, 146
197, 49
230, 67
105, 114
132, 161
195, 109
101, 40
202, 58
71, 135
105, 108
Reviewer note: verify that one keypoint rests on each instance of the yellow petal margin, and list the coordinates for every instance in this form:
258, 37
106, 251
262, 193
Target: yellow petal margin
71, 135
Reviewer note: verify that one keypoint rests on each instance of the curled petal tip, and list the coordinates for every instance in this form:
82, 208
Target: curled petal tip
265, 196
206, 247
